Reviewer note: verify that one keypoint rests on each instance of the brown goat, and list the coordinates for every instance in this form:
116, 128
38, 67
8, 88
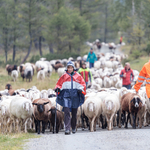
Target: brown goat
40, 113
59, 118
130, 103
10, 68
58, 65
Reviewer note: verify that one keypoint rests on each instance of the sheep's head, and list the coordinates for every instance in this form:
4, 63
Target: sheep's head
136, 100
52, 110
40, 107
8, 86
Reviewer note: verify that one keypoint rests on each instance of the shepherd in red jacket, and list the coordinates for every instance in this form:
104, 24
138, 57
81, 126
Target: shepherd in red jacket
127, 76
71, 89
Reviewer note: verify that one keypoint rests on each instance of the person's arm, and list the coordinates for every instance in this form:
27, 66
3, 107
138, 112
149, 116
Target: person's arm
82, 85
132, 76
88, 57
121, 74
141, 78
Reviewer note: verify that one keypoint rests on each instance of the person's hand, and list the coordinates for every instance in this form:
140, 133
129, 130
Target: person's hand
124, 75
57, 90
79, 91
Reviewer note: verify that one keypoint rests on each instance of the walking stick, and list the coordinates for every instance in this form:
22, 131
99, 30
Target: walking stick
56, 111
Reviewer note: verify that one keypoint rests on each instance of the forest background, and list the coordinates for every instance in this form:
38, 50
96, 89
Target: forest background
30, 29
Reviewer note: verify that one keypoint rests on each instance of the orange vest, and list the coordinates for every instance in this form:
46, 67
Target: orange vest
144, 75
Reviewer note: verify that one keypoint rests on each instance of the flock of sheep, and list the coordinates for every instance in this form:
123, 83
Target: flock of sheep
107, 103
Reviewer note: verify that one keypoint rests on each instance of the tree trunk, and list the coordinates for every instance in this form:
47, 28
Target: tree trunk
51, 48
5, 33
70, 47
30, 34
80, 6
40, 45
14, 52
105, 32
29, 50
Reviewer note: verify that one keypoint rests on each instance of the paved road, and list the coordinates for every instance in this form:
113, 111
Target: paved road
117, 139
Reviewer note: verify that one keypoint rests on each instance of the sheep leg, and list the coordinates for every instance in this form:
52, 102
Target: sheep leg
53, 128
92, 123
127, 121
111, 122
30, 126
115, 120
95, 124
57, 127
38, 126
134, 120
140, 121
82, 118
87, 121
102, 121
17, 125
119, 119
25, 125
124, 119
145, 121
43, 126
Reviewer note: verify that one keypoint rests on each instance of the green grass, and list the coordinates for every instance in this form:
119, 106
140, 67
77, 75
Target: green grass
14, 141
45, 84
138, 63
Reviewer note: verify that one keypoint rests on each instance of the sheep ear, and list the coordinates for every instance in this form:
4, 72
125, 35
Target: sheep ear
34, 103
132, 100
46, 103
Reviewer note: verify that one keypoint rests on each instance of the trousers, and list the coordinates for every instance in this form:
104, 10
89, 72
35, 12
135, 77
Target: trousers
70, 122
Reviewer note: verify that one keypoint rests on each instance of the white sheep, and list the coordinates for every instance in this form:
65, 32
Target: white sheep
61, 71
5, 113
44, 94
14, 75
107, 82
93, 109
41, 75
28, 72
110, 107
20, 112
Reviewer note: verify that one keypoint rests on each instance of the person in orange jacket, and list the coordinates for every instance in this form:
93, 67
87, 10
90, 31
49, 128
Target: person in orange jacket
144, 75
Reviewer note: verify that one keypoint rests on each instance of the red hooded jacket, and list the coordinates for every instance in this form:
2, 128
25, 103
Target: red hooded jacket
129, 76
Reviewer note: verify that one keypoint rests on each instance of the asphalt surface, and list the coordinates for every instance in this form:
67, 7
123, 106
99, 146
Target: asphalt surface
102, 139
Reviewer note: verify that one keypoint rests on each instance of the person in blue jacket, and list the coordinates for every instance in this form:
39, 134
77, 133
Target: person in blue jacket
71, 89
91, 58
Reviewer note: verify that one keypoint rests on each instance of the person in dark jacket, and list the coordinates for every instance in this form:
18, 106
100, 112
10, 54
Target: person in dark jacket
91, 58
71, 89
127, 76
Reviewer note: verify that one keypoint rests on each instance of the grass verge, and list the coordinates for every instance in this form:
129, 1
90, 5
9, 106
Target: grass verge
41, 85
14, 141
